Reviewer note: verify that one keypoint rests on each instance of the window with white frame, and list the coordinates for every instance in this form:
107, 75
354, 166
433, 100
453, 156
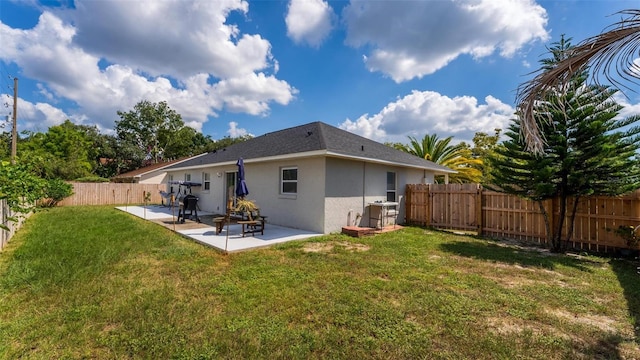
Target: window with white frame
206, 181
289, 180
187, 177
391, 186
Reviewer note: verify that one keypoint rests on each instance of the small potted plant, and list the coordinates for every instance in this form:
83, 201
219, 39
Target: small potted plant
247, 207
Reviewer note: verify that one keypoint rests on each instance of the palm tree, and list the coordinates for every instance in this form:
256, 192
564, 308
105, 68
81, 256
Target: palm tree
615, 48
456, 157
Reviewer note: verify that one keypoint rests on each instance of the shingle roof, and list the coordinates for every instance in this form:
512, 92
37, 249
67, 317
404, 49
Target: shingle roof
147, 169
316, 136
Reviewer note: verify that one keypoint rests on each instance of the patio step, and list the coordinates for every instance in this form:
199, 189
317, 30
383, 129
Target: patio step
357, 231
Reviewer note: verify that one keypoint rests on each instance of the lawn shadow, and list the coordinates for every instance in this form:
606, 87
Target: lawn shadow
515, 254
628, 273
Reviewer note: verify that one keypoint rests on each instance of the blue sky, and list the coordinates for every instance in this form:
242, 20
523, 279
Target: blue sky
382, 69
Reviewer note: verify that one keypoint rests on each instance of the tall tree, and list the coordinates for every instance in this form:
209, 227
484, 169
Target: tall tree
64, 152
588, 150
484, 146
153, 131
616, 48
441, 151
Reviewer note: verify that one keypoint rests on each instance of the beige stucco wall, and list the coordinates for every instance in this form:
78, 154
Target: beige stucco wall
153, 178
305, 210
352, 185
332, 192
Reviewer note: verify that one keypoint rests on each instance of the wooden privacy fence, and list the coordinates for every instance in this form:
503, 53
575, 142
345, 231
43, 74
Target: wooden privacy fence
469, 207
10, 219
112, 194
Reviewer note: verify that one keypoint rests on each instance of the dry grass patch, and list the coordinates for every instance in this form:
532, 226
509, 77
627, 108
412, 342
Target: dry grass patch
327, 247
603, 323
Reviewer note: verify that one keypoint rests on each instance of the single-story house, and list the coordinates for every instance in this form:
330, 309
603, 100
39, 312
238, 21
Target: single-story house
314, 177
150, 174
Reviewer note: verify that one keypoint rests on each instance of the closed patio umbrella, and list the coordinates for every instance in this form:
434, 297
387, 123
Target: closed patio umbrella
241, 186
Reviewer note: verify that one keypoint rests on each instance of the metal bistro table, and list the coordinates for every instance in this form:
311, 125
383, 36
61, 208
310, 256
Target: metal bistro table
383, 212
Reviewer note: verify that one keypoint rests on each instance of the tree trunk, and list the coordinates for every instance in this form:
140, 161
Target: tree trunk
556, 245
572, 219
547, 223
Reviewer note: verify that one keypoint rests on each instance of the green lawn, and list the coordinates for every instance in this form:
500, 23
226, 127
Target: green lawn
94, 282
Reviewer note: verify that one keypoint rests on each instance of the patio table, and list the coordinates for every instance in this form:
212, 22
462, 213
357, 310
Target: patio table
252, 226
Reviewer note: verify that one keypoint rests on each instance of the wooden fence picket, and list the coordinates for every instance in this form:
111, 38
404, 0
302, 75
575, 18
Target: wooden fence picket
469, 207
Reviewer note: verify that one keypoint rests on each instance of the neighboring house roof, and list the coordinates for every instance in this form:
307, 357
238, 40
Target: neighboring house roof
311, 139
147, 169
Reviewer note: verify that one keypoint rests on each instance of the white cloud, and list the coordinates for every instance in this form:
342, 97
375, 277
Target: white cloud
427, 112
628, 109
170, 37
40, 116
235, 131
412, 39
223, 75
251, 93
309, 21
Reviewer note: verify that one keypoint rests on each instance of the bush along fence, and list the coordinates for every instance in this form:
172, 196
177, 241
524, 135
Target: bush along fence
469, 207
113, 194
11, 222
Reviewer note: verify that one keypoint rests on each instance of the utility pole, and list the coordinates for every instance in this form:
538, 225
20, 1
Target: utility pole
14, 130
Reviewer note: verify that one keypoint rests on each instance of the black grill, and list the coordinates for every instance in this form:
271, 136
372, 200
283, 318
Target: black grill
188, 203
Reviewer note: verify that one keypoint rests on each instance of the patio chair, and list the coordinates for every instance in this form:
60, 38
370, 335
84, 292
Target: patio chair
166, 196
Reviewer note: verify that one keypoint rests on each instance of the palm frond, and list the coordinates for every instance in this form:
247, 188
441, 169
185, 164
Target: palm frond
611, 54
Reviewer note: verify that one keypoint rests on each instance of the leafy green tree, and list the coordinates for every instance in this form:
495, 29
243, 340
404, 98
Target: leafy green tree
64, 151
457, 157
153, 131
226, 142
588, 150
483, 147
19, 186
5, 146
612, 53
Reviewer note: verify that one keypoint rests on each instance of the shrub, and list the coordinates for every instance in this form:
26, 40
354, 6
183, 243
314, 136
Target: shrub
628, 233
91, 179
55, 191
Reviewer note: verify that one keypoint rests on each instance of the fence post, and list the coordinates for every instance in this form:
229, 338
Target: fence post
550, 207
479, 218
428, 205
407, 204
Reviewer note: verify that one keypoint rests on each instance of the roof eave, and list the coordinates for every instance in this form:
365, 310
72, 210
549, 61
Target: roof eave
436, 170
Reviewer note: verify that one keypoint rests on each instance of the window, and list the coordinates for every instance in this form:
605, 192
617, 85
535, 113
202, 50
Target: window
206, 181
187, 177
391, 186
289, 180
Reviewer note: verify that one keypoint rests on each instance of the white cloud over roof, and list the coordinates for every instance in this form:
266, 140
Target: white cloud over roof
410, 39
175, 51
428, 112
309, 21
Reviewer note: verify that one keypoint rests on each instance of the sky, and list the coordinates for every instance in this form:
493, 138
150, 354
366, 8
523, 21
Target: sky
385, 70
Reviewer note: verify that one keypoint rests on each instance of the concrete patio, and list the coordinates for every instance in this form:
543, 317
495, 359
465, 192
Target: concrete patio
205, 231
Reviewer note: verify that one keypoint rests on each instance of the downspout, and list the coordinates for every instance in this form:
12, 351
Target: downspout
364, 168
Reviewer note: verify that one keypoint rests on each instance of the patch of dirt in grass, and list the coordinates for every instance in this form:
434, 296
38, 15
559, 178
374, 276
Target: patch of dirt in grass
111, 327
603, 323
511, 282
318, 247
507, 326
327, 247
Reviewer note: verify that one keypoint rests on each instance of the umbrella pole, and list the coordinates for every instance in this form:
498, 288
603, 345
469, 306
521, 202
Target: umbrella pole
226, 242
228, 220
173, 212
